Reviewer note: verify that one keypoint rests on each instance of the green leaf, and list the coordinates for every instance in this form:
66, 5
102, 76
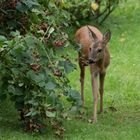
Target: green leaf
2, 38
30, 41
73, 109
20, 84
21, 7
50, 114
38, 78
15, 71
32, 113
74, 95
15, 33
31, 3
68, 66
11, 89
51, 30
42, 84
50, 86
18, 91
33, 102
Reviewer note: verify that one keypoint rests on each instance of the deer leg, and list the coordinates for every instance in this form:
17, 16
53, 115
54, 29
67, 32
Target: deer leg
102, 78
95, 94
82, 76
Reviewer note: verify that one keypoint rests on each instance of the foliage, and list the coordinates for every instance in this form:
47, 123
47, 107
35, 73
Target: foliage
103, 8
35, 81
32, 74
121, 90
20, 14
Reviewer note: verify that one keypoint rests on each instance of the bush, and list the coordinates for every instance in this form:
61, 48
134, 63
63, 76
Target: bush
35, 82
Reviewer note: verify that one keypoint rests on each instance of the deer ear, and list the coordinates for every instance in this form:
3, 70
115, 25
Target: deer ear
107, 36
92, 34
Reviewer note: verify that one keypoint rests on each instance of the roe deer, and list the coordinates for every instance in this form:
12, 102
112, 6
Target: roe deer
94, 52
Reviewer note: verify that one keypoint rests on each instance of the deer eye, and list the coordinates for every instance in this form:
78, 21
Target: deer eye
99, 50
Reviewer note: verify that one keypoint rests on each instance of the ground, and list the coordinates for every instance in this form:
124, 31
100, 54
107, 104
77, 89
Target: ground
122, 88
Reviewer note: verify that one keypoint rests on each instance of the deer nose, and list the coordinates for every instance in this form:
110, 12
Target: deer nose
90, 61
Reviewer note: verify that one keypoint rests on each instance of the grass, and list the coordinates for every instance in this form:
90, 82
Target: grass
122, 88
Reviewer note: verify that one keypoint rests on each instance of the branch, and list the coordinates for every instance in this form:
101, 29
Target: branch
101, 13
110, 11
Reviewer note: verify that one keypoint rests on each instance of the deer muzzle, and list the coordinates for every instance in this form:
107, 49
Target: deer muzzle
91, 61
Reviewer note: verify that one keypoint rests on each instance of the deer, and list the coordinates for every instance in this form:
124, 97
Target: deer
93, 52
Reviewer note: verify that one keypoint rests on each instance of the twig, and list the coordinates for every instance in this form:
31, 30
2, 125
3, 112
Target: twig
110, 11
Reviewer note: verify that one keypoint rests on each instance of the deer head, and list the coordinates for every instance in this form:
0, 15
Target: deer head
97, 48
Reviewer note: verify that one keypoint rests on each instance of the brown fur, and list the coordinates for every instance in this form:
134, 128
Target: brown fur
83, 38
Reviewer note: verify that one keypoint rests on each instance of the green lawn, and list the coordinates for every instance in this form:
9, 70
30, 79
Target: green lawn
122, 88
